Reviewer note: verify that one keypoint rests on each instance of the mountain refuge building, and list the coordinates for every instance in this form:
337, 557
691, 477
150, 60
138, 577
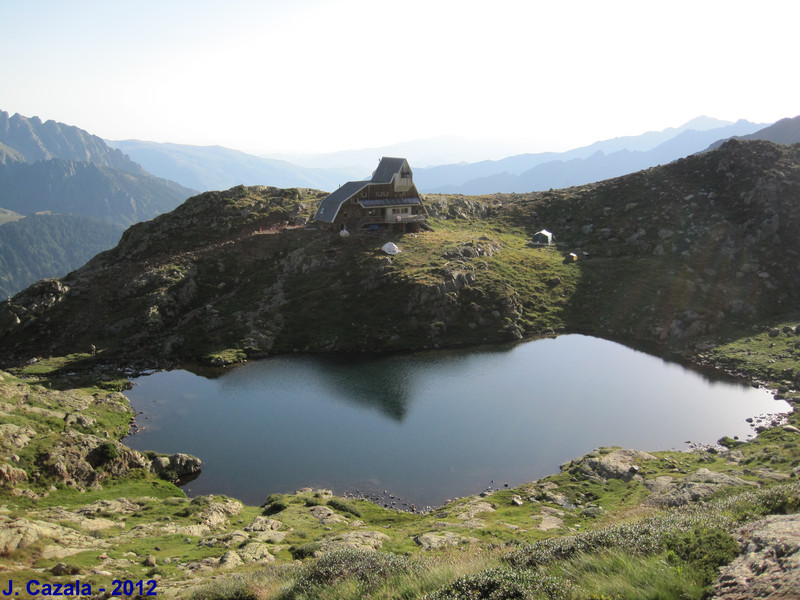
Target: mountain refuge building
389, 200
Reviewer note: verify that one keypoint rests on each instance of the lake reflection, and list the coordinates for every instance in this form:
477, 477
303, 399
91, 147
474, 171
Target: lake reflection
434, 425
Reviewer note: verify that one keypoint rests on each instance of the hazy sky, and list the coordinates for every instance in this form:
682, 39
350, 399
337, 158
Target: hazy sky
322, 75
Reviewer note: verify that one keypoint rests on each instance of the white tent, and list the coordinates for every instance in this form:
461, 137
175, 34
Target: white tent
390, 248
543, 237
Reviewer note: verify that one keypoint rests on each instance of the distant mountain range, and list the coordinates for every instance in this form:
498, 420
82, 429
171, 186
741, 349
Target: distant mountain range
598, 161
65, 196
214, 167
218, 168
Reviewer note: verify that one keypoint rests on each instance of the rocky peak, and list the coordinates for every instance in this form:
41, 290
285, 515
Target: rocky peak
36, 140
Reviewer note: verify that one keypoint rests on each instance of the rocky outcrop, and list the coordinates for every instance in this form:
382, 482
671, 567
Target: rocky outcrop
177, 468
550, 519
769, 566
58, 541
264, 524
444, 539
666, 491
74, 459
601, 465
10, 476
217, 513
15, 437
355, 540
120, 506
326, 516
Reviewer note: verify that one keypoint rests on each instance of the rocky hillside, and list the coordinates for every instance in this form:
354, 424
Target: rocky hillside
670, 257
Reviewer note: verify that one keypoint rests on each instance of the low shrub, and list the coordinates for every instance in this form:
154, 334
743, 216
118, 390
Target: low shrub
503, 583
729, 442
341, 505
275, 503
230, 588
704, 548
367, 567
304, 551
105, 453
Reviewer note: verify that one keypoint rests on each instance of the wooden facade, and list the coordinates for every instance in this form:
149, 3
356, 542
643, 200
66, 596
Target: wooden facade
388, 200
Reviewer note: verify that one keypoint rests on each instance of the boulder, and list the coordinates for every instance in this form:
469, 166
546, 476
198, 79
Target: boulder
179, 468
270, 537
256, 552
473, 508
433, 541
230, 560
707, 476
326, 516
264, 524
18, 534
550, 519
75, 458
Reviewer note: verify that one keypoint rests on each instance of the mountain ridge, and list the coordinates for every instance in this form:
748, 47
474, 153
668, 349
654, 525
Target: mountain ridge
215, 167
91, 188
785, 131
36, 140
598, 161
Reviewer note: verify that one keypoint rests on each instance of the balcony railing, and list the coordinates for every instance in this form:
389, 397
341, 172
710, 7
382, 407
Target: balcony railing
403, 218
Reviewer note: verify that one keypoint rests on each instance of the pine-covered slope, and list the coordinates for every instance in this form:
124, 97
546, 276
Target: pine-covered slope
35, 247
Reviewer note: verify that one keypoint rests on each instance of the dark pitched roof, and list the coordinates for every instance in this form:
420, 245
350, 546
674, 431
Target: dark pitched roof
387, 169
327, 209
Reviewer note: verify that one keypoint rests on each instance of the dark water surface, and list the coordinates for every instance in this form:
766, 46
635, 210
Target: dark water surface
434, 425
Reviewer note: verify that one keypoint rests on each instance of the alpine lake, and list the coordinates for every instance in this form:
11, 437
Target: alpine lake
429, 426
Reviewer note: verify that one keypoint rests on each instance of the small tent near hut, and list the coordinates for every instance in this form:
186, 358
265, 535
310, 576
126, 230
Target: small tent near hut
391, 248
543, 238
